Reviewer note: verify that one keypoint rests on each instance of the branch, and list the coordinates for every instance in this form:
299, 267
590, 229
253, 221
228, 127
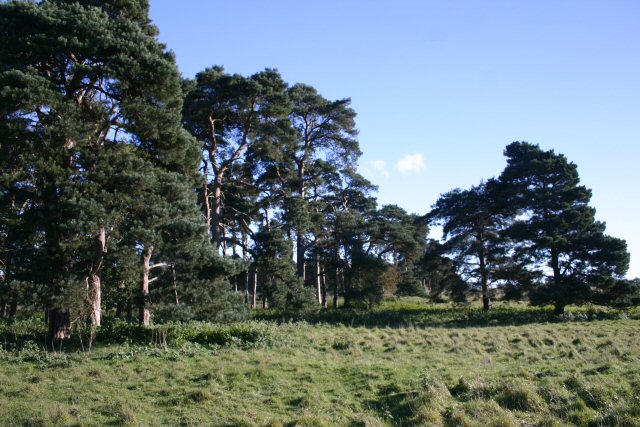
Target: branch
160, 264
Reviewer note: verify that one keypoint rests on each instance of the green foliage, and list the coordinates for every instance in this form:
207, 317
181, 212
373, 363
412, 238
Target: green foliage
620, 293
216, 303
410, 285
251, 334
473, 221
281, 287
557, 227
363, 284
91, 106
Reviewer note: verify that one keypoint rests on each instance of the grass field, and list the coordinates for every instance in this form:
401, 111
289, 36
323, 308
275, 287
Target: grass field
406, 363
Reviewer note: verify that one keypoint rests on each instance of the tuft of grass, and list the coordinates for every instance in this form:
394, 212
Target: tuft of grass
471, 388
58, 415
518, 396
126, 416
341, 343
201, 395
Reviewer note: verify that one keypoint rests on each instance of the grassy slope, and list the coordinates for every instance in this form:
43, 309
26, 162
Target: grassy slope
413, 371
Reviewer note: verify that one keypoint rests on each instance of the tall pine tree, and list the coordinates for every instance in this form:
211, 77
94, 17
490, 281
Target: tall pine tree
557, 229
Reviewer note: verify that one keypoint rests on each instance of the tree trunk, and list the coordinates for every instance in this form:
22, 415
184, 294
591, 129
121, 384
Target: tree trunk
324, 289
318, 279
335, 288
95, 278
254, 303
175, 283
267, 221
246, 286
346, 287
558, 308
207, 198
300, 245
145, 314
119, 309
3, 310
59, 324
13, 308
555, 266
557, 281
484, 279
234, 249
300, 263
120, 304
245, 250
129, 310
215, 211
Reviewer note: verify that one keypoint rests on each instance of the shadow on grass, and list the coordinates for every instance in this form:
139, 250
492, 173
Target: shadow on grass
393, 314
392, 404
400, 315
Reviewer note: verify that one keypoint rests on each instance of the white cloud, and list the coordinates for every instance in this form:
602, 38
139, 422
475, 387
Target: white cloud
379, 166
411, 164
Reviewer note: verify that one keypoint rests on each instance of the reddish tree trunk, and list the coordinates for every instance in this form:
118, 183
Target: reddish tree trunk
145, 314
94, 281
215, 211
206, 195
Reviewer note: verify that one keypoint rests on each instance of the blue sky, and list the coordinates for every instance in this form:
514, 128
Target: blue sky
441, 87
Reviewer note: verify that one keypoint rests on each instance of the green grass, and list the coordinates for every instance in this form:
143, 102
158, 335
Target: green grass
406, 363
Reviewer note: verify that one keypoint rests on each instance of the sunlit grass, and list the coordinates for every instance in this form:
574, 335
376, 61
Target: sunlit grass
412, 371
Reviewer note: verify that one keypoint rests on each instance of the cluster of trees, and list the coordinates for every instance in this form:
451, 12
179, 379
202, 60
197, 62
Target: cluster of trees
125, 188
532, 230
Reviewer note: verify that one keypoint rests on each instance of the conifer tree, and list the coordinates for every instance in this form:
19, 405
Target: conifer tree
472, 223
558, 232
323, 130
78, 77
228, 114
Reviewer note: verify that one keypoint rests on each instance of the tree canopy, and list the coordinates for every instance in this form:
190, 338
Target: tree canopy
125, 188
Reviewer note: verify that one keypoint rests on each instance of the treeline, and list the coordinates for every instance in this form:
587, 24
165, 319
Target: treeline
127, 189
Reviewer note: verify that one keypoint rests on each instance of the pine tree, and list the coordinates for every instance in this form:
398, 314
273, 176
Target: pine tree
79, 77
326, 130
472, 223
558, 232
228, 114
